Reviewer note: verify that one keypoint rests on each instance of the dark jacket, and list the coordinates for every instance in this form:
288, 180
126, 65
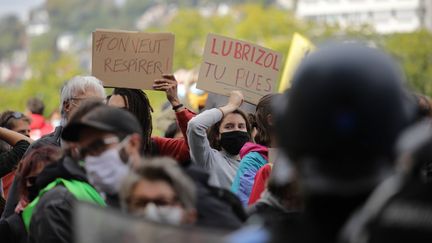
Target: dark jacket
12, 229
51, 220
53, 139
9, 160
217, 207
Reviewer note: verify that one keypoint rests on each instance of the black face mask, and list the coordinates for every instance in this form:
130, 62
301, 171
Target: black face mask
232, 142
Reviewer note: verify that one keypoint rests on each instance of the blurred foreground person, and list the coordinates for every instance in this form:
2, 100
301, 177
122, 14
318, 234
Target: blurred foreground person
400, 209
338, 126
12, 229
158, 190
107, 139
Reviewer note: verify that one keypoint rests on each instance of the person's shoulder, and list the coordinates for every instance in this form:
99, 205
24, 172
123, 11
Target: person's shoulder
57, 196
253, 157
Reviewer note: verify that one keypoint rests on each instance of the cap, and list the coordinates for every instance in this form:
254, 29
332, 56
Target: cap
105, 118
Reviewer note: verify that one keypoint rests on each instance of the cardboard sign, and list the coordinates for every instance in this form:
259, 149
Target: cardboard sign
129, 59
300, 47
105, 225
230, 64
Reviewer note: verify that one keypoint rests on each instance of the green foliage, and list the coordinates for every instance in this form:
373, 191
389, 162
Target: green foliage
414, 52
258, 22
269, 26
48, 74
12, 35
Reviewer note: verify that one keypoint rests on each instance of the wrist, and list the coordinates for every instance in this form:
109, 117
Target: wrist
176, 108
175, 102
227, 109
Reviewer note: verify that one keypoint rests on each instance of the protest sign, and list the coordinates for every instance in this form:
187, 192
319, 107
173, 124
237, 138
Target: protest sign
300, 47
103, 225
129, 59
229, 64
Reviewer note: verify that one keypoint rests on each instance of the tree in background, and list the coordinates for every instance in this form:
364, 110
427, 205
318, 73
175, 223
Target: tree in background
260, 22
12, 35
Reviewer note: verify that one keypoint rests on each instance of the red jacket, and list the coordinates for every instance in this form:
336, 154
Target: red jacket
39, 127
260, 183
177, 148
7, 181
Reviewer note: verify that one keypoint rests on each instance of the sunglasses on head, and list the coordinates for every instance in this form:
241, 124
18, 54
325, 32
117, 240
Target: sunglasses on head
15, 115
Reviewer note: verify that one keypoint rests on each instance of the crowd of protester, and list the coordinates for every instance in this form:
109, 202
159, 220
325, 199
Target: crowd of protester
344, 155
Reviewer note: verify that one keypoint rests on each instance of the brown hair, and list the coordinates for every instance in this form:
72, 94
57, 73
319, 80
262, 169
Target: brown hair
41, 156
264, 129
213, 132
8, 119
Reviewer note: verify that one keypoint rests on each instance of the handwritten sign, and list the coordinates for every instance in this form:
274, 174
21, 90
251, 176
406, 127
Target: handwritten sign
230, 64
131, 59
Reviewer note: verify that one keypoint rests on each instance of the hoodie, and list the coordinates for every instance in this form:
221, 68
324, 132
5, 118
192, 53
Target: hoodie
253, 157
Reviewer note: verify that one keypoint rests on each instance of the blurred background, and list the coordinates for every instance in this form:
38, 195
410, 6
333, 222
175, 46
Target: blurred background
45, 42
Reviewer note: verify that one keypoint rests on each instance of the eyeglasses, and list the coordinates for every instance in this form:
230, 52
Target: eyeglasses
78, 100
97, 146
15, 115
142, 202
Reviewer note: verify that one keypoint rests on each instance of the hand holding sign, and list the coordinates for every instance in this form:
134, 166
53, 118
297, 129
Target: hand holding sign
230, 64
168, 84
234, 102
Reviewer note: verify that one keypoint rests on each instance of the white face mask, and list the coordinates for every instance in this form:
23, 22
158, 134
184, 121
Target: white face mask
106, 171
162, 214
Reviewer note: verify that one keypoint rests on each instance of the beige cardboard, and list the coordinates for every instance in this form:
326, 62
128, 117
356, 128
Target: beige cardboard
229, 64
130, 59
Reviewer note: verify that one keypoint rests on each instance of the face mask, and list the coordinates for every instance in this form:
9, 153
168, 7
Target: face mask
162, 214
232, 142
106, 171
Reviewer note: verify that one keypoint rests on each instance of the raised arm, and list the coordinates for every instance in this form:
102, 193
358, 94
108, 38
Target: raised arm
10, 159
199, 145
12, 137
168, 84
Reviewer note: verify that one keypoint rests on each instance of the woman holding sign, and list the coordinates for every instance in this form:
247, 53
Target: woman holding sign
137, 102
218, 152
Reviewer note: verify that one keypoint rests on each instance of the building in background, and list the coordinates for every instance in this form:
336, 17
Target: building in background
385, 16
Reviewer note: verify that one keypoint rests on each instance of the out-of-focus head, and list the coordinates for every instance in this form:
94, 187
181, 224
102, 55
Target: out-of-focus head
264, 119
100, 123
339, 124
159, 190
137, 102
107, 139
424, 106
15, 121
31, 165
35, 106
76, 90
